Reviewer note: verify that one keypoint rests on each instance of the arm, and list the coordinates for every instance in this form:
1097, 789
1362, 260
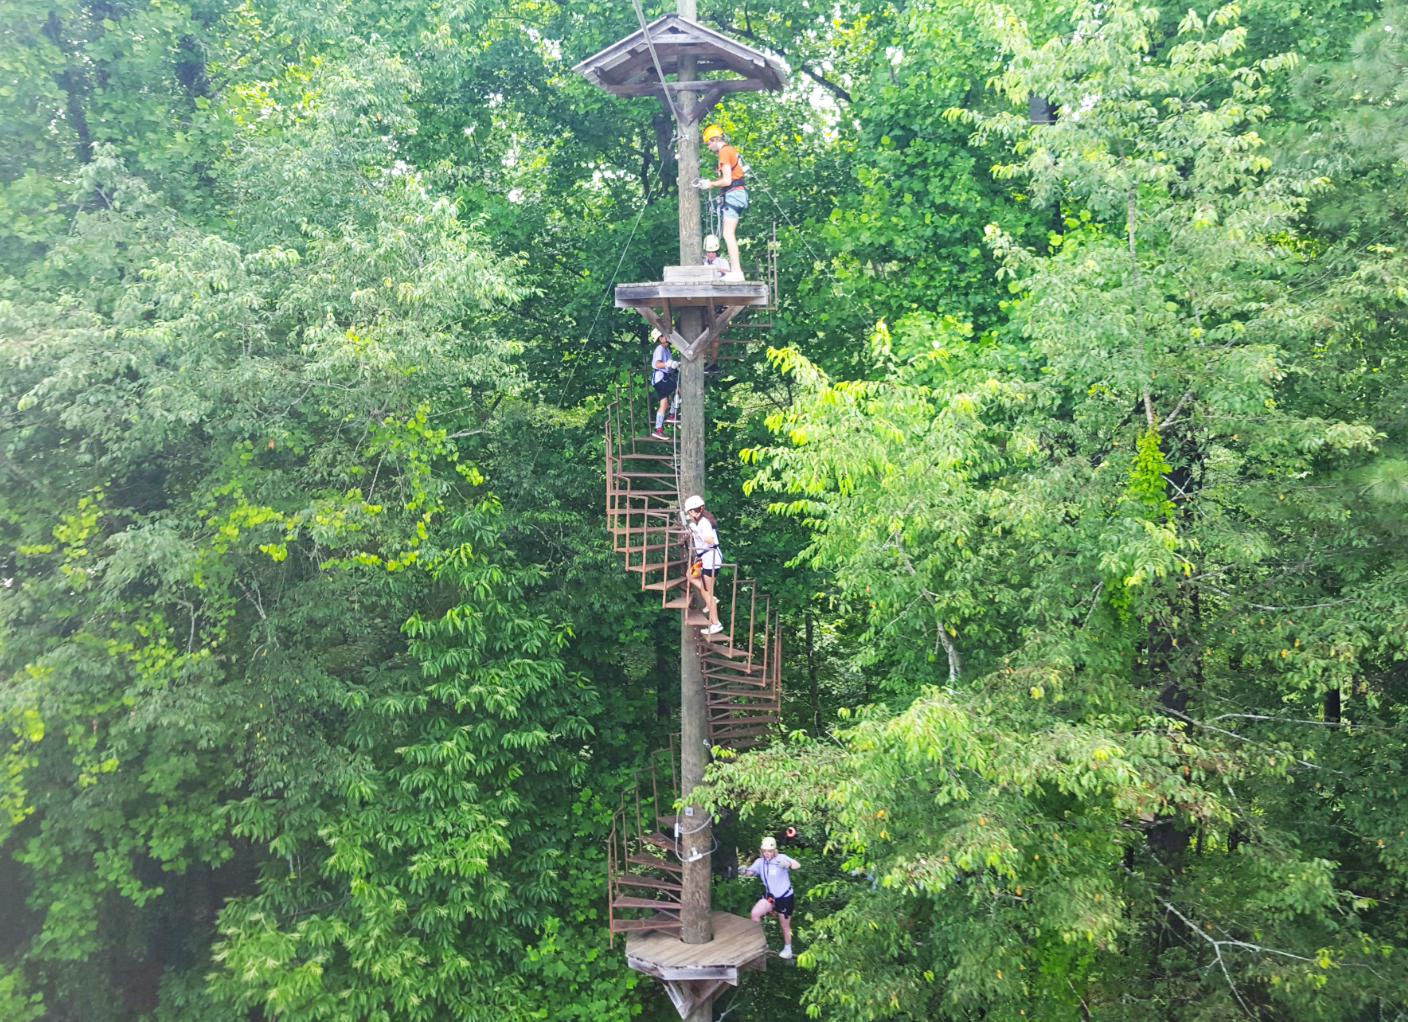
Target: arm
791, 862
720, 182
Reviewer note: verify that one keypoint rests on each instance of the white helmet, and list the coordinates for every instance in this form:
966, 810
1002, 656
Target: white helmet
769, 844
693, 502
711, 243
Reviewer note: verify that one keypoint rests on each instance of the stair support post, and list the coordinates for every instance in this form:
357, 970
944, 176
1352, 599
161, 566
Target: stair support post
696, 838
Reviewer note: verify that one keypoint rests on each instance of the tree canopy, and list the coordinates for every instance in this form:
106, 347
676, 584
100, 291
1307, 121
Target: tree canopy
1076, 456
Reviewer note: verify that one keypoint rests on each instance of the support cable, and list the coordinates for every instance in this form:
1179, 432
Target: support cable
659, 71
801, 237
645, 204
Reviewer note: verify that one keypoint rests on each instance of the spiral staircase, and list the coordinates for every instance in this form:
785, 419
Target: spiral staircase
742, 664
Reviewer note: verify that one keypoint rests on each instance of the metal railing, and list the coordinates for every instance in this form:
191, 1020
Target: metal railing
742, 663
644, 874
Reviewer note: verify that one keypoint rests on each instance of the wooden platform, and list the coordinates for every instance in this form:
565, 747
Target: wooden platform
658, 293
693, 972
738, 942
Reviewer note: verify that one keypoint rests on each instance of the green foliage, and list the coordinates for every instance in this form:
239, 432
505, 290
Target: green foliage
318, 677
1147, 554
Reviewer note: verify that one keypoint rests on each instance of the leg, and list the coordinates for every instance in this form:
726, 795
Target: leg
762, 908
712, 603
731, 239
785, 921
660, 414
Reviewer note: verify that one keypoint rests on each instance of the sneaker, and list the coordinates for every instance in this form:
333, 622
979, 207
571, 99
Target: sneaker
656, 434
733, 277
715, 629
786, 952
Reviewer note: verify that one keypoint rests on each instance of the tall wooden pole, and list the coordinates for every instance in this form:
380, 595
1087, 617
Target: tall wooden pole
694, 732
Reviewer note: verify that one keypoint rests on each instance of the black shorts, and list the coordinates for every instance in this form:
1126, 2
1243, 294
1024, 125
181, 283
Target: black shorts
709, 572
783, 905
665, 387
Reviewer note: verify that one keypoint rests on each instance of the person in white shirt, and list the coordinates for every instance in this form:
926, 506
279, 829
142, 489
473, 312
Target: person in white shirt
664, 382
721, 266
708, 559
776, 873
712, 257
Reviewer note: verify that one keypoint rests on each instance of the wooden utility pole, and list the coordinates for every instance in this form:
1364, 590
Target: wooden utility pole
697, 840
696, 832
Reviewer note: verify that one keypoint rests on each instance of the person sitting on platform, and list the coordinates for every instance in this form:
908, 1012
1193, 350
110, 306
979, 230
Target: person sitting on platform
721, 267
735, 195
707, 558
712, 258
776, 873
663, 379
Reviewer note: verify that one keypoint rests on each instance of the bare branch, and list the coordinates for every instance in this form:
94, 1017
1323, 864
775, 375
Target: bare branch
1176, 408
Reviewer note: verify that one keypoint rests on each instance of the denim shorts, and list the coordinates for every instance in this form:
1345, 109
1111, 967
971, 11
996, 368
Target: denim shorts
735, 202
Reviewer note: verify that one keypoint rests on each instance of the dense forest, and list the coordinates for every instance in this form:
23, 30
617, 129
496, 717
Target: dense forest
1076, 456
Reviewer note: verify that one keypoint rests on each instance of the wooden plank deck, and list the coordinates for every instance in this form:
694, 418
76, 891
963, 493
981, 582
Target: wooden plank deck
654, 293
737, 942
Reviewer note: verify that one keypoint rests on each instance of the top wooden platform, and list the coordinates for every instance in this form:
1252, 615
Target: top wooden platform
738, 944
654, 294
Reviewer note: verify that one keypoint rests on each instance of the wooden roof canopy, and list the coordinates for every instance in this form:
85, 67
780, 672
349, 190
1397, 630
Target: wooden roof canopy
625, 68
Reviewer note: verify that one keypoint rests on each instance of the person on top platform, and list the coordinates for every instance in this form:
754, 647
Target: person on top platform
776, 873
735, 195
664, 381
707, 560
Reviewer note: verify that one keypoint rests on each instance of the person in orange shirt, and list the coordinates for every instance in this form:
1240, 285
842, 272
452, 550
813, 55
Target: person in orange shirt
730, 179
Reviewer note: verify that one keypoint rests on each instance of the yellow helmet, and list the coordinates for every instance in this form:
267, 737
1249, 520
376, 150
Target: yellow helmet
712, 131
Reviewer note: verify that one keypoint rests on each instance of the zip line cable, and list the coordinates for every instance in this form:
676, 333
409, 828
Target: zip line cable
800, 236
659, 71
625, 249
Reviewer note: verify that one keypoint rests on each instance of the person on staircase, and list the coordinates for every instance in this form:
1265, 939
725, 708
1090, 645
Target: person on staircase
776, 873
707, 557
735, 195
664, 381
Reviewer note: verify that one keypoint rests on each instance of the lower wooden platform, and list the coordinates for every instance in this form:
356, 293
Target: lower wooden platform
693, 972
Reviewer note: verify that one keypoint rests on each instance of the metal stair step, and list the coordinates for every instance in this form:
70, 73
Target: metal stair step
664, 841
645, 926
634, 880
725, 693
626, 901
654, 862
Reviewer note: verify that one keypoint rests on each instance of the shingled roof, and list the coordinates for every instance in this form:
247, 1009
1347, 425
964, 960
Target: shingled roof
625, 68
